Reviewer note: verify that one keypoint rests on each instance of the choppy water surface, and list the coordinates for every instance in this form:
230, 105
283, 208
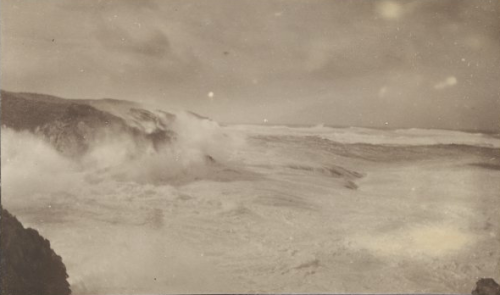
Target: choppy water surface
277, 209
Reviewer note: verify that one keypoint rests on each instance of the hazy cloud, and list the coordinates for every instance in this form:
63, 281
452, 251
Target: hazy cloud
290, 61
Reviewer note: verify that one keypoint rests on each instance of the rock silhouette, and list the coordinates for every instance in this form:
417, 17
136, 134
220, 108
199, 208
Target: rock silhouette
486, 287
28, 265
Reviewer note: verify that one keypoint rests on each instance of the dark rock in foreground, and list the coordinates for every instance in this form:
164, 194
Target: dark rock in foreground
28, 265
486, 287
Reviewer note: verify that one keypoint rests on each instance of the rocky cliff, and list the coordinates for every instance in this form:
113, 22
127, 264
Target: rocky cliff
28, 265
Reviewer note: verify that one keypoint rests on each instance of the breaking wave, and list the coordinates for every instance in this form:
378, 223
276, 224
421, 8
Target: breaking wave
32, 164
355, 135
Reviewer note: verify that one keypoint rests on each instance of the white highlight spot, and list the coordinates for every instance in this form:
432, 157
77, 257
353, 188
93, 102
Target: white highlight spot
449, 82
211, 94
389, 10
427, 240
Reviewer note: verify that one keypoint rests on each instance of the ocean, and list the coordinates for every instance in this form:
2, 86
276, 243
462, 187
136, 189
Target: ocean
274, 209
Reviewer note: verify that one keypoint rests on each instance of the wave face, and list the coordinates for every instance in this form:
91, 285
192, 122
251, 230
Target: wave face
73, 127
109, 138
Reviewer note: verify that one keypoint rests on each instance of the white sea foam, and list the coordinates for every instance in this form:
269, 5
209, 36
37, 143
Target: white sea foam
30, 164
411, 137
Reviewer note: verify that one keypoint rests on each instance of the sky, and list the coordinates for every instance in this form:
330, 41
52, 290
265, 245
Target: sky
367, 63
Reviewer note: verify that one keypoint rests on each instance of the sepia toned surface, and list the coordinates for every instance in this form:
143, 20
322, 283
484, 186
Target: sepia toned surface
254, 146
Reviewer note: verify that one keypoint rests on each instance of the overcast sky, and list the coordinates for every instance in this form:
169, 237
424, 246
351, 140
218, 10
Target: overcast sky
431, 64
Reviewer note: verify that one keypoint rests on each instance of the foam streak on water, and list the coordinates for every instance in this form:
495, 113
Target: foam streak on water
376, 136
